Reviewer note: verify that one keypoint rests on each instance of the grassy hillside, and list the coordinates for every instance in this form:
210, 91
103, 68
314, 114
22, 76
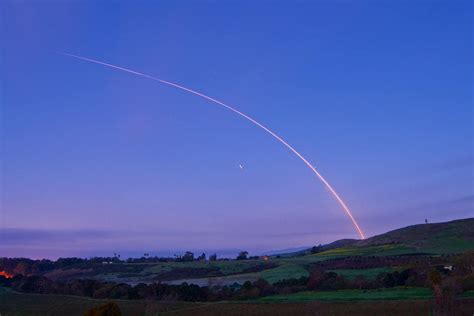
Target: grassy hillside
437, 238
356, 250
448, 237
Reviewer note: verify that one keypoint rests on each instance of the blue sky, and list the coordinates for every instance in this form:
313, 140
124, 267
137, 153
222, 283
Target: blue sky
376, 94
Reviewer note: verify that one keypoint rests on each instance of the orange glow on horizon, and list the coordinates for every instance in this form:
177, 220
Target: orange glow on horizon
6, 274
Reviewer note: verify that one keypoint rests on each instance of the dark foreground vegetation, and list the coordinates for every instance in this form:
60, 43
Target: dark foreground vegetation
57, 305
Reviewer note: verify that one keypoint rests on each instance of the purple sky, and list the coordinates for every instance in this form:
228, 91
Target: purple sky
377, 95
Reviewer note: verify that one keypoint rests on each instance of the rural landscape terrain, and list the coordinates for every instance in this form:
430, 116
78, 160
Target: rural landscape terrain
416, 270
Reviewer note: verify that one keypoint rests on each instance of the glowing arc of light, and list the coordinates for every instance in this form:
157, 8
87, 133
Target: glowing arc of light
281, 140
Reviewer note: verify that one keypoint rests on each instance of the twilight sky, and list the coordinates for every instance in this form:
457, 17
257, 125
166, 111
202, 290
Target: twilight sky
376, 94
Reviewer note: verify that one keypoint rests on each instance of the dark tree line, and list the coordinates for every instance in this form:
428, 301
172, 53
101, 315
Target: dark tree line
446, 283
27, 266
317, 281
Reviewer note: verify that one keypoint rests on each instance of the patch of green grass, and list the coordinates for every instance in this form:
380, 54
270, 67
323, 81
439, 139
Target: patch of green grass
285, 271
468, 294
438, 238
370, 274
234, 266
281, 272
54, 305
225, 267
396, 293
304, 261
382, 250
444, 244
4, 290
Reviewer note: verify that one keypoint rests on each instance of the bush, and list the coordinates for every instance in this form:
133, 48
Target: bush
107, 309
468, 282
328, 281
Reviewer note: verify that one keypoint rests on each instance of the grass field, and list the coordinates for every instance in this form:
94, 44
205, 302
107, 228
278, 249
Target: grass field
438, 238
196, 271
286, 268
231, 271
468, 294
225, 267
445, 244
370, 274
360, 308
284, 271
281, 272
12, 304
382, 250
58, 305
397, 293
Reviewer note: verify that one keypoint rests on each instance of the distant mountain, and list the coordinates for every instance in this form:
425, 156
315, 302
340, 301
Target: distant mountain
339, 243
306, 251
286, 250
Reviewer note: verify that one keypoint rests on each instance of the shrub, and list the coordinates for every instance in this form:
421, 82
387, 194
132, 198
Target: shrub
107, 309
468, 282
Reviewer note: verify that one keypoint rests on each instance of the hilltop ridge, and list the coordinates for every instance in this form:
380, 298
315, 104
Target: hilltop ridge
433, 238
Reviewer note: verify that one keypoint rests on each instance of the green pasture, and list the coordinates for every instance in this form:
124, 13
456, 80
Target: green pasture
396, 293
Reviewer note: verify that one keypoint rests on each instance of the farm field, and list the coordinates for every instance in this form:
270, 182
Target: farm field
370, 274
59, 305
15, 304
381, 250
362, 308
396, 293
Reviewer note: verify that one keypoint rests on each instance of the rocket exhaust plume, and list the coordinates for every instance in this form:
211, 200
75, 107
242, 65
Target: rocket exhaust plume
281, 140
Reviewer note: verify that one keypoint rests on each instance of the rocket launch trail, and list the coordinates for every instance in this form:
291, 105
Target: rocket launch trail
281, 140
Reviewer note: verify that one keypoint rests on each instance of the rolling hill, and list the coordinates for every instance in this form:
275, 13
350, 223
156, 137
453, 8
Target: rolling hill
447, 237
436, 238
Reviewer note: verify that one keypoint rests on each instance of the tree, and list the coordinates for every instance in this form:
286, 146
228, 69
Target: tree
465, 263
434, 277
188, 256
22, 267
243, 255
315, 279
316, 249
468, 282
213, 257
360, 282
389, 280
202, 257
264, 287
319, 280
107, 309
